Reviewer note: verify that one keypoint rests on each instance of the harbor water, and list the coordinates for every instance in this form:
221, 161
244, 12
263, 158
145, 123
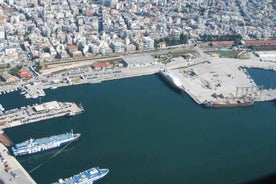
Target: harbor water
264, 78
144, 132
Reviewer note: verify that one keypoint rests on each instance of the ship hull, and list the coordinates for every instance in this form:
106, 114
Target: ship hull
86, 177
41, 149
225, 105
170, 81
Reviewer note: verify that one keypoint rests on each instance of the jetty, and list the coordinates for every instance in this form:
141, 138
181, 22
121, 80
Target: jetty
5, 139
37, 112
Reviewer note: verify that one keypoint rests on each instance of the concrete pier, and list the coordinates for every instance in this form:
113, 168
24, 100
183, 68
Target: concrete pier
11, 171
222, 80
5, 139
39, 112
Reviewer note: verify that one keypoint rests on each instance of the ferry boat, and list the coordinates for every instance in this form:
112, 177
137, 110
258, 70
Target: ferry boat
171, 79
85, 177
43, 144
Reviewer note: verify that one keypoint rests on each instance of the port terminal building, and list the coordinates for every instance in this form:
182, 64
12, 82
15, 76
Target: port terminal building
47, 106
138, 61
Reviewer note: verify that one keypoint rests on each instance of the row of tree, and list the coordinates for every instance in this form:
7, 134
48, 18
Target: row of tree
171, 40
227, 37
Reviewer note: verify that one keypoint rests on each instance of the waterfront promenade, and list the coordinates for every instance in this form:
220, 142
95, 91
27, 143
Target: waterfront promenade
203, 77
11, 171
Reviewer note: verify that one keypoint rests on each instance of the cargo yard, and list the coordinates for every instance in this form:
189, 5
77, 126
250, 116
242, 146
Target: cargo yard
223, 81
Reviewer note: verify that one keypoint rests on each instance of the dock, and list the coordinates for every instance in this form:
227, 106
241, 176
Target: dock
223, 80
11, 170
38, 112
5, 139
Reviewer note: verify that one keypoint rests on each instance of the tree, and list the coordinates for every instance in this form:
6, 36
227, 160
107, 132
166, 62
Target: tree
183, 38
237, 41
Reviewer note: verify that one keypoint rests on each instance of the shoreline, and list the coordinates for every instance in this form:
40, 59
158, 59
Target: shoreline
11, 170
209, 79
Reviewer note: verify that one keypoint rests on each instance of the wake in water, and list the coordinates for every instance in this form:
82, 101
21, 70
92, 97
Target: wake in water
50, 158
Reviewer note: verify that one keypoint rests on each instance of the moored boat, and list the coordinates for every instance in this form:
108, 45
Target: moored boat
86, 177
236, 103
174, 81
32, 146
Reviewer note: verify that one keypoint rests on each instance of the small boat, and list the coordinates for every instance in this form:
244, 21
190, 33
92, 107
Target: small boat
85, 177
2, 108
54, 87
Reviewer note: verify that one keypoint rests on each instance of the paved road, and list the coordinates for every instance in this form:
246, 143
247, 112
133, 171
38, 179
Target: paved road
16, 173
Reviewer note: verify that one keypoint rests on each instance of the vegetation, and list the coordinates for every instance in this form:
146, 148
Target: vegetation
179, 53
4, 66
237, 41
171, 41
111, 61
76, 80
165, 58
220, 37
15, 70
37, 67
227, 54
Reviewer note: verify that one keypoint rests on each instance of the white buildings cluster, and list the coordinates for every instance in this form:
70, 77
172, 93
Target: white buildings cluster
49, 29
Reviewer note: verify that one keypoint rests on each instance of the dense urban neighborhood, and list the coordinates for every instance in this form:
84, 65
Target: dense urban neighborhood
49, 30
200, 48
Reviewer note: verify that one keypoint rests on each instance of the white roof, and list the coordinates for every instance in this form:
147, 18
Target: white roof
47, 106
139, 59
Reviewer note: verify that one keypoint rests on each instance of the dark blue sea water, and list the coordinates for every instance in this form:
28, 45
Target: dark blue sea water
265, 78
144, 132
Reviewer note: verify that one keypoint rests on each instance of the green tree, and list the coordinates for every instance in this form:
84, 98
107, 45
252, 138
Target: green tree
183, 38
15, 70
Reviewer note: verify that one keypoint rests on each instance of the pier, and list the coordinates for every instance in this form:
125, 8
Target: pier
223, 81
38, 112
11, 171
5, 139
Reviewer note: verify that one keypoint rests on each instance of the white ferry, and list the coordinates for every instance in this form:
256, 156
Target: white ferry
171, 79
